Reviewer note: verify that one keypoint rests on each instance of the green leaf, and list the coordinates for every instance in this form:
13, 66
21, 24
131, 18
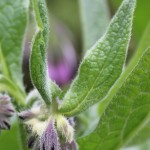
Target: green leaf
143, 135
38, 59
8, 86
102, 64
127, 113
13, 16
95, 18
144, 43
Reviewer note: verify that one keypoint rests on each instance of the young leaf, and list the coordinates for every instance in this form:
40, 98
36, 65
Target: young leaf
13, 16
95, 18
38, 62
127, 113
102, 64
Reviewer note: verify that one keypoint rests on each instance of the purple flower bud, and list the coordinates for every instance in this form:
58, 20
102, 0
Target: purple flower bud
29, 114
6, 111
49, 139
62, 56
43, 134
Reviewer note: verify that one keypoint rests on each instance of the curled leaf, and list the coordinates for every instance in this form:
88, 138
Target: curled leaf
38, 60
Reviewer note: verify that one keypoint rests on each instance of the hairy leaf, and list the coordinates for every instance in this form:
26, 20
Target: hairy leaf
95, 18
127, 113
102, 64
144, 43
38, 60
13, 16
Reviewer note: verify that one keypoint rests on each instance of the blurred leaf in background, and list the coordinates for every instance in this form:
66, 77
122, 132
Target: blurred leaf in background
95, 18
14, 16
141, 17
67, 11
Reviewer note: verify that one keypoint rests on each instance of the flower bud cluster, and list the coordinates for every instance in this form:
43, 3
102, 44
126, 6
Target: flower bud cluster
48, 131
6, 111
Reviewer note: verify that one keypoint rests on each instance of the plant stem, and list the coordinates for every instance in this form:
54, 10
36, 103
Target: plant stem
22, 137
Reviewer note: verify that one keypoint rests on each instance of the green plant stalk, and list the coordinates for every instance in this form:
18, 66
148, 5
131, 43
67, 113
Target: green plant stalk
18, 93
23, 137
19, 97
8, 86
4, 65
